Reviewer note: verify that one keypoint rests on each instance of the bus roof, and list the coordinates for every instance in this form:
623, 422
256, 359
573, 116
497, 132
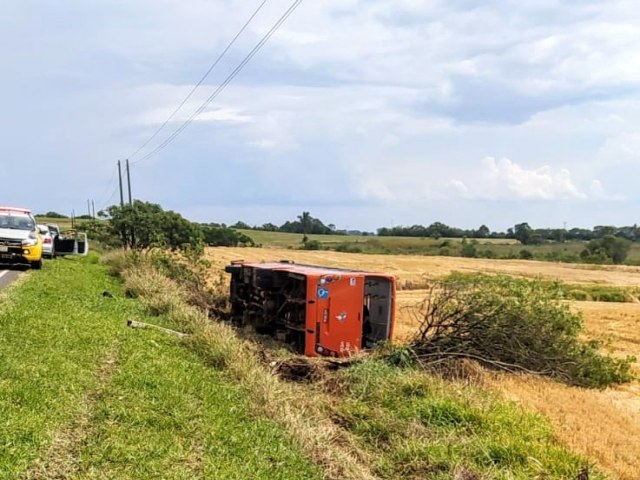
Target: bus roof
304, 269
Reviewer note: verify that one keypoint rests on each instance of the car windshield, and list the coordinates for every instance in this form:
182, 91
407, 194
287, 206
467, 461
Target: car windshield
16, 221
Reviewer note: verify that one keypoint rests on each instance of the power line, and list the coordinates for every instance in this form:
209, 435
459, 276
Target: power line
108, 201
224, 84
106, 190
204, 77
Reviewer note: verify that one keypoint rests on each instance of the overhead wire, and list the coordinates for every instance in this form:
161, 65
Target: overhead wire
202, 79
108, 201
225, 83
184, 101
106, 190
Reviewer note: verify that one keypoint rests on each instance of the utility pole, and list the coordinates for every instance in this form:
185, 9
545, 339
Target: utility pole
120, 180
88, 207
93, 207
133, 229
129, 182
124, 231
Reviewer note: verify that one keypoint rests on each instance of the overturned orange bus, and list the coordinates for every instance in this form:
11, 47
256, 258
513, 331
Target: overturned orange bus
318, 310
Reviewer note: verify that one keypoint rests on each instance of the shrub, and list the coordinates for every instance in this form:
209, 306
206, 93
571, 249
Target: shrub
468, 249
525, 254
608, 249
579, 295
312, 245
348, 247
101, 231
487, 253
517, 325
216, 236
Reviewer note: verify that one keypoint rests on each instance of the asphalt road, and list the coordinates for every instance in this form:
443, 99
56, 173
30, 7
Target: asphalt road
7, 276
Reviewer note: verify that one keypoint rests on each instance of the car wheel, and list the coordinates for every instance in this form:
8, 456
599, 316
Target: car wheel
37, 265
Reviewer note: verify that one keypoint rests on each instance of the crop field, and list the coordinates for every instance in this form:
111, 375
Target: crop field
281, 239
604, 425
63, 223
486, 247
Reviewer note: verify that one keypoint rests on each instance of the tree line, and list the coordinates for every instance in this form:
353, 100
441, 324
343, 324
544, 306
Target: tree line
304, 224
143, 225
146, 225
522, 232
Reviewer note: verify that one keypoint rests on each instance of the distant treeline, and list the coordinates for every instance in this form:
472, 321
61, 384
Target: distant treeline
304, 224
522, 232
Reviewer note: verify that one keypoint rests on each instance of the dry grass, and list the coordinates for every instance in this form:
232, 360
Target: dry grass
604, 425
414, 268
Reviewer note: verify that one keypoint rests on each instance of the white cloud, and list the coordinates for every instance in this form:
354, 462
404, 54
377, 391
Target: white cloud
622, 148
395, 100
228, 115
507, 179
597, 192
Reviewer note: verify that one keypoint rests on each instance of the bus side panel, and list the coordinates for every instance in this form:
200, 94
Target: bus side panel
313, 319
393, 306
339, 314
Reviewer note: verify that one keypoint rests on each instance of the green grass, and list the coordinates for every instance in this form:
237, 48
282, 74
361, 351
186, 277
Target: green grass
420, 426
567, 291
86, 397
601, 293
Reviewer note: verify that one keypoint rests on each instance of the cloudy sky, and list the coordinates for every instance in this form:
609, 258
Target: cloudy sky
364, 112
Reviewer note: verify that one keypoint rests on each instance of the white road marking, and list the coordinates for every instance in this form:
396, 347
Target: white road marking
3, 273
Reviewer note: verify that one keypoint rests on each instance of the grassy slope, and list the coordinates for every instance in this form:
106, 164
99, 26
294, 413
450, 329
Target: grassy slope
420, 426
410, 423
83, 397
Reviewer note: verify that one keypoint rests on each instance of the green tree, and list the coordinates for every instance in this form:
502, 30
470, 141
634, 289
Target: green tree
143, 225
483, 232
54, 215
269, 227
469, 249
216, 236
305, 221
523, 233
609, 247
241, 225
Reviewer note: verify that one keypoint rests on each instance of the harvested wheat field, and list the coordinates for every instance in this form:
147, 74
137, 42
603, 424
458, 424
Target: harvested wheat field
604, 425
413, 268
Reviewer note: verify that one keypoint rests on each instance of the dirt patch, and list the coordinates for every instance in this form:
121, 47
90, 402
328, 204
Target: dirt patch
308, 370
298, 369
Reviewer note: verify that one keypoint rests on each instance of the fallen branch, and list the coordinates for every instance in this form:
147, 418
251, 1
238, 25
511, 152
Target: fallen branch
439, 357
168, 331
